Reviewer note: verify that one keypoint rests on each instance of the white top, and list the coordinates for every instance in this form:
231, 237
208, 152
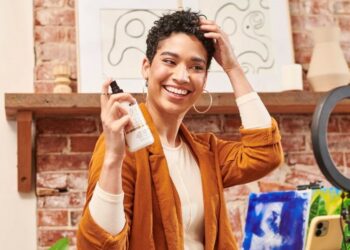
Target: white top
185, 174
108, 211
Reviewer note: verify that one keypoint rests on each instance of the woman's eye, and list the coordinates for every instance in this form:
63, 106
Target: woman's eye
168, 61
198, 67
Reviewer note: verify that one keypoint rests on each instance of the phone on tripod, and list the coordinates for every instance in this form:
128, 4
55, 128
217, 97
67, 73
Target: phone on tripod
325, 233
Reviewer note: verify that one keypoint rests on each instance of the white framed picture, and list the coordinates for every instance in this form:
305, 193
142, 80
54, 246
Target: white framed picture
111, 40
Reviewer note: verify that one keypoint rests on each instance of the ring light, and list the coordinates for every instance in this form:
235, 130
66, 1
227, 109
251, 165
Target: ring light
319, 127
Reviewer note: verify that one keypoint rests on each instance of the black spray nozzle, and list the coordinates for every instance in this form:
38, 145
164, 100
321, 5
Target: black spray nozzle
115, 88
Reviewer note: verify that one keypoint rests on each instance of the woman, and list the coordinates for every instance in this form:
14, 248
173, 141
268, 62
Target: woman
170, 195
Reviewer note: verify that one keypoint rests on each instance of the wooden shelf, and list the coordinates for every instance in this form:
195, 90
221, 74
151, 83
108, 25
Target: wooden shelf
24, 108
297, 102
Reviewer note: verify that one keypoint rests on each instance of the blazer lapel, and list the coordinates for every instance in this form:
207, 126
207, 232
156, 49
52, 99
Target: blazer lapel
168, 199
206, 162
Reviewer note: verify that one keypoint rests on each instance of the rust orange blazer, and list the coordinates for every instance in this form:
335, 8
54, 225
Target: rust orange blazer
151, 203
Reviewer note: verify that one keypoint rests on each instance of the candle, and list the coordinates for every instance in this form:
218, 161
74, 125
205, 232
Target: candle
292, 77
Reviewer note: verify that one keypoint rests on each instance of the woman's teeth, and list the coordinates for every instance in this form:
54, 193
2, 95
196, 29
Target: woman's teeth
176, 91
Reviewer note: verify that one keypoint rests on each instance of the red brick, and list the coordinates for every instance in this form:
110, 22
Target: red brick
71, 3
344, 23
63, 200
52, 180
301, 175
274, 186
77, 181
43, 87
232, 123
63, 162
61, 126
344, 122
316, 7
75, 217
54, 16
54, 201
211, 123
347, 157
313, 21
76, 199
235, 216
51, 34
302, 40
293, 142
49, 3
237, 192
47, 237
295, 124
341, 7
51, 144
83, 143
44, 71
53, 218
71, 35
303, 55
295, 7
309, 159
338, 142
298, 23
56, 51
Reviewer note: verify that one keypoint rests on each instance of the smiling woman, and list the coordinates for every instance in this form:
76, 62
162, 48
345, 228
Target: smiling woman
169, 195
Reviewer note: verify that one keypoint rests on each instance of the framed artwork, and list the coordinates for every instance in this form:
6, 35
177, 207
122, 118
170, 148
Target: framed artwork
277, 220
111, 39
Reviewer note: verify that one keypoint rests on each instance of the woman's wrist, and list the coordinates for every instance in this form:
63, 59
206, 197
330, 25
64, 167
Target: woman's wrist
239, 82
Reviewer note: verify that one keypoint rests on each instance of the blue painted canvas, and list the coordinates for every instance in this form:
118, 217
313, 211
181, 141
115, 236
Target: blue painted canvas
277, 220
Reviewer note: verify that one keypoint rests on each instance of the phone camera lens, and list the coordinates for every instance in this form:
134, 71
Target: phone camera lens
319, 225
318, 232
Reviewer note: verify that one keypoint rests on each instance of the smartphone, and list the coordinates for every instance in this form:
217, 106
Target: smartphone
325, 233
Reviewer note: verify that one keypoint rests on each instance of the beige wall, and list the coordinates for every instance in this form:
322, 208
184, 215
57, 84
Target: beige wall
17, 212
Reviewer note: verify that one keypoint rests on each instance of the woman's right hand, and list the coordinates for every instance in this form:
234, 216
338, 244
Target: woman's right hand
114, 119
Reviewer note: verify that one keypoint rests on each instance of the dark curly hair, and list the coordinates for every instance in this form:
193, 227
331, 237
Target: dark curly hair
184, 21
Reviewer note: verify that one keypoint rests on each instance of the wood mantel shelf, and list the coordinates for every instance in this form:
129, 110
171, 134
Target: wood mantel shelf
24, 108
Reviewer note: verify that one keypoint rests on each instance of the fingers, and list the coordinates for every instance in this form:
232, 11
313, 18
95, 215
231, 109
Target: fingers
104, 92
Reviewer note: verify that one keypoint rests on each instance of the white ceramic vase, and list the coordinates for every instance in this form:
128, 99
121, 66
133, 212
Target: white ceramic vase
328, 68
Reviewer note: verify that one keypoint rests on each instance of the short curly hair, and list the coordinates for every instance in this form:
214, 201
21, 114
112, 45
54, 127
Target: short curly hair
185, 21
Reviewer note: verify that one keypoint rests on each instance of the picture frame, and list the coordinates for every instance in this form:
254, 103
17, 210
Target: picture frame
111, 42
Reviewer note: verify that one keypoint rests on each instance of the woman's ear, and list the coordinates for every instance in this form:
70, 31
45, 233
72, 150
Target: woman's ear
145, 68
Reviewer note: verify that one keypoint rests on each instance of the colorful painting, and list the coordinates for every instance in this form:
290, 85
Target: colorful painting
328, 201
277, 220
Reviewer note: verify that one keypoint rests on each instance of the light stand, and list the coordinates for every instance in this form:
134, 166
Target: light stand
320, 147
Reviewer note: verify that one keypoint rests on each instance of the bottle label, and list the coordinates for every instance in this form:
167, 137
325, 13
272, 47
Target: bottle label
137, 119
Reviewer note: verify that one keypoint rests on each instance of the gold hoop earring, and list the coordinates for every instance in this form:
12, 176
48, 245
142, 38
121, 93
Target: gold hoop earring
210, 104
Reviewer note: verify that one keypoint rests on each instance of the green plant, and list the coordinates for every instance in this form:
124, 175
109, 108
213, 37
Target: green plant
61, 244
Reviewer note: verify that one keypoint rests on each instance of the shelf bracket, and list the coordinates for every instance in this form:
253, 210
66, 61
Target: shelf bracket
24, 151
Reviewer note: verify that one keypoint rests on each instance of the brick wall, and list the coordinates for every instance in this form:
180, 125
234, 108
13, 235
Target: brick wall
64, 145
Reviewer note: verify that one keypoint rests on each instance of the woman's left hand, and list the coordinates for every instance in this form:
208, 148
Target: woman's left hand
223, 51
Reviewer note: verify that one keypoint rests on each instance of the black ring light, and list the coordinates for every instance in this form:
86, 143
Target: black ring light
319, 127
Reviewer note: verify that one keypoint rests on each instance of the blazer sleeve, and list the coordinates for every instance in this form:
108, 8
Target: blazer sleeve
257, 154
90, 235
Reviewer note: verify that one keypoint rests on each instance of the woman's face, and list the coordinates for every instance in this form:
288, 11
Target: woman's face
177, 75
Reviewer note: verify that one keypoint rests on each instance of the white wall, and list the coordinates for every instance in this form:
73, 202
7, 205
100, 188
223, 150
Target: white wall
17, 211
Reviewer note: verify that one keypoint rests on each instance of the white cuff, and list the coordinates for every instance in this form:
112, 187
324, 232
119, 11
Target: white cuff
253, 112
107, 210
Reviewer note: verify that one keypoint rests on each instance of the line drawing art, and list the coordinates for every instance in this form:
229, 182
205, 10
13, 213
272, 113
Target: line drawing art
124, 34
247, 24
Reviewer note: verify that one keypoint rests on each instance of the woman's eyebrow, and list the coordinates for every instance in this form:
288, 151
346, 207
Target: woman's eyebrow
194, 58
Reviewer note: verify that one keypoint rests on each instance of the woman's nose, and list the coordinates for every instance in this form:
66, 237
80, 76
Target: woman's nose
181, 74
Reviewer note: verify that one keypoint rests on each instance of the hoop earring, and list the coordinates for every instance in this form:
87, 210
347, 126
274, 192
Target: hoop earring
210, 104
